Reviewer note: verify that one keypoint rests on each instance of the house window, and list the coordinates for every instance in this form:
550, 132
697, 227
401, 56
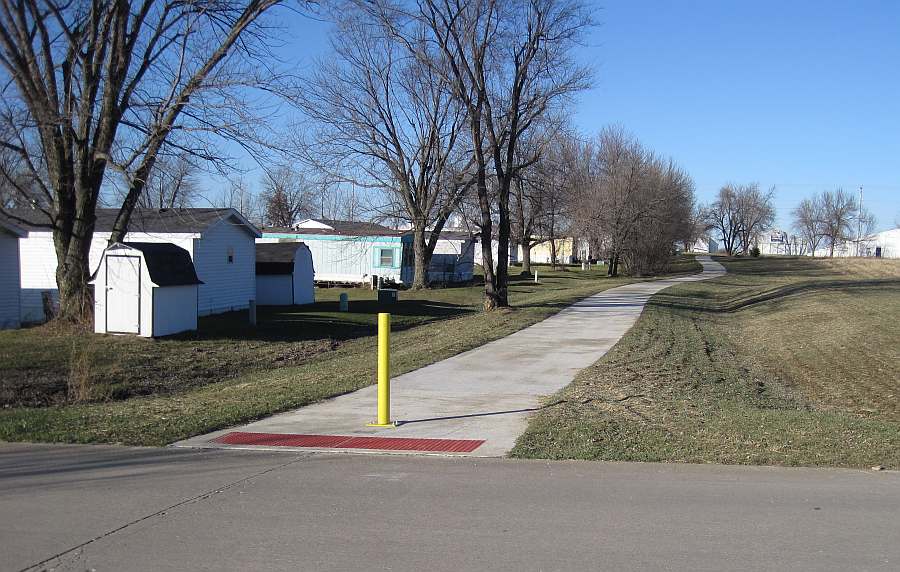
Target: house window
230, 255
386, 257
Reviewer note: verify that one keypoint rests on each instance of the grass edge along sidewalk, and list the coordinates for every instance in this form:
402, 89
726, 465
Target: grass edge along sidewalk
162, 419
808, 378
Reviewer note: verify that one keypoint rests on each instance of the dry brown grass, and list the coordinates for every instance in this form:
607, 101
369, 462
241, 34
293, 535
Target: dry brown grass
841, 349
782, 361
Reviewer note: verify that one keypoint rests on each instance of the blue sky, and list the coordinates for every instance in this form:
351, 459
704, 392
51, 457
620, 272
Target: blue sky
804, 96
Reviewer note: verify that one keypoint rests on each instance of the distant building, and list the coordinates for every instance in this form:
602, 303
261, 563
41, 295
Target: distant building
884, 244
355, 252
542, 253
704, 245
346, 251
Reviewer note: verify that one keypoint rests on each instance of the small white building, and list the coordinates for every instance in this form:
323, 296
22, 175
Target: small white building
346, 251
144, 288
884, 244
704, 245
10, 284
284, 274
221, 243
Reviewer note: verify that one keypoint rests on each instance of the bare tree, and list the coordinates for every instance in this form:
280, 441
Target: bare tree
839, 211
380, 120
239, 196
723, 216
341, 202
755, 213
530, 197
508, 64
287, 196
808, 222
632, 204
171, 184
97, 86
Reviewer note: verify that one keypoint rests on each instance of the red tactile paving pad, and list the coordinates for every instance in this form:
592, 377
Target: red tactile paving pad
347, 442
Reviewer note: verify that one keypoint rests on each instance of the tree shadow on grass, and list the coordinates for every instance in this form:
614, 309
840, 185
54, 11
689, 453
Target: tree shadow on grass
693, 303
321, 320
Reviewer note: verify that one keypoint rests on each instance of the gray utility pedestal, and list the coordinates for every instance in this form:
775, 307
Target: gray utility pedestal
387, 295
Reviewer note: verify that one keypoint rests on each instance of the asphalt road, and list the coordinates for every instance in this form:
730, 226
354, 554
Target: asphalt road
107, 508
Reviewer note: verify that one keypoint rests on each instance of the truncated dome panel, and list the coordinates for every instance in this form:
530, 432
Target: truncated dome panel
349, 442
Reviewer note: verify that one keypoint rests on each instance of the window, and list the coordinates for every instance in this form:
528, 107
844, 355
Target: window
386, 257
230, 255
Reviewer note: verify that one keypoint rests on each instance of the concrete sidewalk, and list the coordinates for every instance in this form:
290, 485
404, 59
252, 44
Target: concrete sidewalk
484, 394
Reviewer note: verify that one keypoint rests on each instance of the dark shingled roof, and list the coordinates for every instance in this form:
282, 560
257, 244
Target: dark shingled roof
168, 265
142, 220
276, 257
341, 228
9, 227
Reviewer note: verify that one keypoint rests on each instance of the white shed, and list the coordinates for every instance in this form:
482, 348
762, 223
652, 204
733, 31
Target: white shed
144, 288
221, 243
284, 274
10, 284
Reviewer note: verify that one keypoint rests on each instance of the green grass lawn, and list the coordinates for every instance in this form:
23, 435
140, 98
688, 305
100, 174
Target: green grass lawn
786, 361
68, 385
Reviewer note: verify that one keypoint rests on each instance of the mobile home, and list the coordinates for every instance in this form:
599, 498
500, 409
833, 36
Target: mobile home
346, 251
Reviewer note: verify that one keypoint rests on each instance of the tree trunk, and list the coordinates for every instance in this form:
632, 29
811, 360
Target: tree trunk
75, 302
421, 258
613, 269
502, 289
526, 257
491, 300
553, 261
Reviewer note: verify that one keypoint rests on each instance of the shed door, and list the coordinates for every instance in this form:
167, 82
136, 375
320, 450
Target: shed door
123, 294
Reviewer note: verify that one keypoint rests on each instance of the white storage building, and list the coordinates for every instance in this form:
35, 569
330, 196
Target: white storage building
145, 288
346, 251
284, 274
10, 286
221, 243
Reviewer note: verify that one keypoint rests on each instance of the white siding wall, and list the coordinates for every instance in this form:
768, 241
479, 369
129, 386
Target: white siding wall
38, 264
274, 290
10, 307
304, 277
227, 285
174, 310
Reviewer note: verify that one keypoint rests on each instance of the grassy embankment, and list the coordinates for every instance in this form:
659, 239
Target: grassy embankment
785, 361
74, 386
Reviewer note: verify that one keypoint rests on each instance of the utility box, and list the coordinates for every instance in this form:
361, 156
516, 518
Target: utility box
387, 296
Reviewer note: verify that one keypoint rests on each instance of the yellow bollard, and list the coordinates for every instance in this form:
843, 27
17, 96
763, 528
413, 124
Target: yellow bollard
384, 372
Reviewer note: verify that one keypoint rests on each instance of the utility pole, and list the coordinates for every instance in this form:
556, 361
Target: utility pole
859, 214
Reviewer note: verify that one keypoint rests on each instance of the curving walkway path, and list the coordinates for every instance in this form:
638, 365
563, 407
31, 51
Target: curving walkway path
484, 394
